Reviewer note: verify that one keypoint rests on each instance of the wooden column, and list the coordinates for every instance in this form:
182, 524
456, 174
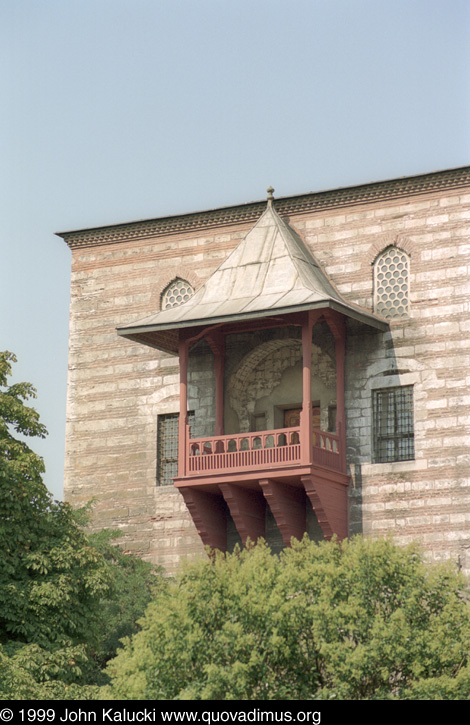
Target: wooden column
219, 363
306, 428
340, 352
183, 351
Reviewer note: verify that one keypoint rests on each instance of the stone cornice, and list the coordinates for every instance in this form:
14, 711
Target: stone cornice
451, 179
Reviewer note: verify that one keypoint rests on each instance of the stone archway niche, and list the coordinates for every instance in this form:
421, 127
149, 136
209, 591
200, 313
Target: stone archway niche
268, 381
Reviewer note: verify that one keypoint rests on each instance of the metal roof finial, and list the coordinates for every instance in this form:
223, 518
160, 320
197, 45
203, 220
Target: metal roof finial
270, 191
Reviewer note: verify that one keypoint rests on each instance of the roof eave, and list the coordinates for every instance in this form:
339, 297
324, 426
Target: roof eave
366, 318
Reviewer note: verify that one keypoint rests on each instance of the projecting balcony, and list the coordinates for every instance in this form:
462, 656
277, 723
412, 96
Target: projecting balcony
246, 477
243, 473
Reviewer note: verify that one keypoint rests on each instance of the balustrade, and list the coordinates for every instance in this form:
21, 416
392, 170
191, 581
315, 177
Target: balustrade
251, 451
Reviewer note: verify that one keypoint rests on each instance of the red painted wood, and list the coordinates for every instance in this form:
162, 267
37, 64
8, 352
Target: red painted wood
287, 505
248, 511
279, 467
208, 513
306, 414
329, 499
219, 362
251, 451
243, 451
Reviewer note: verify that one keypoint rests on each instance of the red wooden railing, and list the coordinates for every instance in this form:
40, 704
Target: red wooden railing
327, 450
253, 451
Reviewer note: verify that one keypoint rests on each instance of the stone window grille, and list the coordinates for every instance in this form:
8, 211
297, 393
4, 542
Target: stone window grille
167, 447
392, 283
177, 292
393, 424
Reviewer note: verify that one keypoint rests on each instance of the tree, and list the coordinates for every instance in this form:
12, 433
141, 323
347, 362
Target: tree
133, 584
51, 579
351, 620
65, 597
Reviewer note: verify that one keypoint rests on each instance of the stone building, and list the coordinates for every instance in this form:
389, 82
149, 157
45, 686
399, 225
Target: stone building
294, 365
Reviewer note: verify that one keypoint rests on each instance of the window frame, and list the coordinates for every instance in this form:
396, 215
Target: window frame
393, 424
174, 290
163, 461
386, 303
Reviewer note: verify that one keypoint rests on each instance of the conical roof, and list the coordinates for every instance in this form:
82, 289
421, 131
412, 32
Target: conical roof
271, 271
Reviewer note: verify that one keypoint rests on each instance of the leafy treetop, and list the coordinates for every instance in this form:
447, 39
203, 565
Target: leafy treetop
352, 620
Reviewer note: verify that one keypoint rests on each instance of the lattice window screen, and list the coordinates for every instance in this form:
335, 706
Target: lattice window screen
176, 293
391, 283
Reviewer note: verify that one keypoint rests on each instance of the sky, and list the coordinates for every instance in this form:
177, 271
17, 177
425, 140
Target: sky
119, 110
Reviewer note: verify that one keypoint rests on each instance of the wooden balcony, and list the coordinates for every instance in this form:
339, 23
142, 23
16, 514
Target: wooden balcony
244, 473
244, 453
240, 475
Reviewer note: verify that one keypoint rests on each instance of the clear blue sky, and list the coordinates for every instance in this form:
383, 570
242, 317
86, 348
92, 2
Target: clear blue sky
116, 110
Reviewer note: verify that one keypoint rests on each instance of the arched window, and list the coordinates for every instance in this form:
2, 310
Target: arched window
392, 283
176, 293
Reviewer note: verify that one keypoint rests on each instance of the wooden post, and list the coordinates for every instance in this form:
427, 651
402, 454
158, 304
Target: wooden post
340, 406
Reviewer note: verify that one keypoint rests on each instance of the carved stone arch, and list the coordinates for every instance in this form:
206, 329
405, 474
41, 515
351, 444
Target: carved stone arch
243, 389
253, 358
179, 270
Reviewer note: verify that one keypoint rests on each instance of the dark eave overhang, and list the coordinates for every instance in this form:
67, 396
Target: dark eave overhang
166, 336
451, 180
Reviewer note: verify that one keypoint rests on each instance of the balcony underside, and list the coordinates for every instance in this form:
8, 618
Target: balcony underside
248, 472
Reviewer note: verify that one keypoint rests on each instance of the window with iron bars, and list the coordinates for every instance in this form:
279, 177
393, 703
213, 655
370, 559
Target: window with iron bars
393, 424
167, 447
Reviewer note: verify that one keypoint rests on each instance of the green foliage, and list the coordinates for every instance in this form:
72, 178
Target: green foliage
133, 583
65, 598
16, 459
446, 687
32, 673
51, 579
351, 620
22, 492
